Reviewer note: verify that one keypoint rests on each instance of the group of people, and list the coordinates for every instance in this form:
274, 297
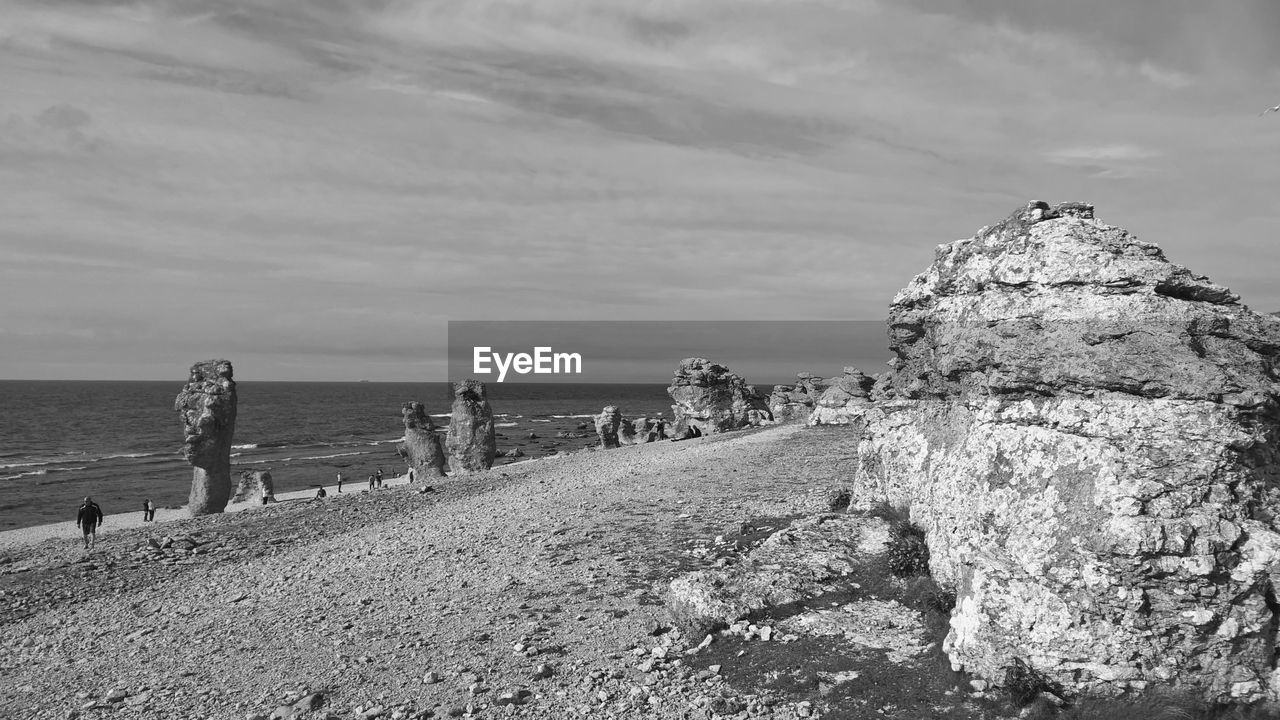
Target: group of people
90, 516
375, 481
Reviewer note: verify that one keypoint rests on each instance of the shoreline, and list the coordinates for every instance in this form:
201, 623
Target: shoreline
35, 534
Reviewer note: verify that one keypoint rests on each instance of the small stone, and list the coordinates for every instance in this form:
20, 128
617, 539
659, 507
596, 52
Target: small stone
431, 678
284, 712
117, 695
542, 671
314, 701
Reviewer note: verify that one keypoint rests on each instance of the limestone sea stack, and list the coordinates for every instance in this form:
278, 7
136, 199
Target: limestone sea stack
708, 398
207, 405
1090, 437
607, 424
472, 443
844, 398
421, 445
796, 402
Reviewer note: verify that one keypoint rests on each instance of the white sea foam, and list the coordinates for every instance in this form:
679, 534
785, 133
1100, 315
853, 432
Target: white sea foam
505, 424
303, 459
588, 415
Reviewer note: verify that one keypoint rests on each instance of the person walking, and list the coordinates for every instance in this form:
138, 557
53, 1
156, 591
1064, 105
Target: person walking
379, 476
372, 480
339, 481
151, 511
265, 494
410, 474
88, 519
144, 510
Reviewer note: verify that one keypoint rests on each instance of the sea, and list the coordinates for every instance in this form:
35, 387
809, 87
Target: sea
120, 442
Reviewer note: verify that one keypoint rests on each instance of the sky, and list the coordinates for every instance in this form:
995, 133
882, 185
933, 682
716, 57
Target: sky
314, 189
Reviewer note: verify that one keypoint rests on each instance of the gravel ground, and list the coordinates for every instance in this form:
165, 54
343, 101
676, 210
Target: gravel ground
530, 590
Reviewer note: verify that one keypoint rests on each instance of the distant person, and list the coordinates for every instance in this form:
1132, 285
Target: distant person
88, 520
151, 511
372, 480
379, 476
339, 481
321, 493
144, 510
265, 495
410, 474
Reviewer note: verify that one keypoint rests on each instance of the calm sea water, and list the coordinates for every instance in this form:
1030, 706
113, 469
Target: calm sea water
119, 441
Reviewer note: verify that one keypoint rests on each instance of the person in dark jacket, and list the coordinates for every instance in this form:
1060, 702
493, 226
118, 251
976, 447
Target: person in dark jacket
88, 520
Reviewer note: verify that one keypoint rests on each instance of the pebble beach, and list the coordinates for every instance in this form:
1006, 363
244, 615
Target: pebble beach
531, 590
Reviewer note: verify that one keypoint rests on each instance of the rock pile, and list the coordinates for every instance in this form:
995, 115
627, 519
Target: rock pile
710, 399
1090, 436
421, 445
796, 402
843, 399
207, 404
472, 444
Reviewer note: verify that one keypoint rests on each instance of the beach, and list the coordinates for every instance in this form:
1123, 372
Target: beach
537, 586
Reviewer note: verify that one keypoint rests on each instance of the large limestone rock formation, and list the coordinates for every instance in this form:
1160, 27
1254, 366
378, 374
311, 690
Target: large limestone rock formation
253, 483
1090, 436
844, 398
710, 399
472, 443
207, 405
608, 422
796, 402
421, 445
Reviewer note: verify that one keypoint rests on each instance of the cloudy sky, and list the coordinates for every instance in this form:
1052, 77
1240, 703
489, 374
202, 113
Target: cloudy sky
312, 189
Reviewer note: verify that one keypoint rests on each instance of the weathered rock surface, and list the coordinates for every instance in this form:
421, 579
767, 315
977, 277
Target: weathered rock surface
252, 484
207, 404
1090, 436
607, 424
843, 399
649, 430
710, 399
796, 402
472, 444
421, 445
809, 559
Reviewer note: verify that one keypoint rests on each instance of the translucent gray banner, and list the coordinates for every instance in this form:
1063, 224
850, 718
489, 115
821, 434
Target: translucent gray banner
762, 352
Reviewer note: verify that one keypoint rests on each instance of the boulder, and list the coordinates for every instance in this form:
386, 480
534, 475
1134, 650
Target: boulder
627, 432
607, 424
813, 557
472, 444
207, 406
1089, 435
710, 399
421, 445
252, 484
843, 398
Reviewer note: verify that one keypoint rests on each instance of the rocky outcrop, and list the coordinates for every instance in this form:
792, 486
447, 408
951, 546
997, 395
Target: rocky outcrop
207, 405
253, 484
649, 430
844, 398
814, 557
472, 443
607, 424
796, 402
627, 432
708, 398
1090, 437
421, 445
